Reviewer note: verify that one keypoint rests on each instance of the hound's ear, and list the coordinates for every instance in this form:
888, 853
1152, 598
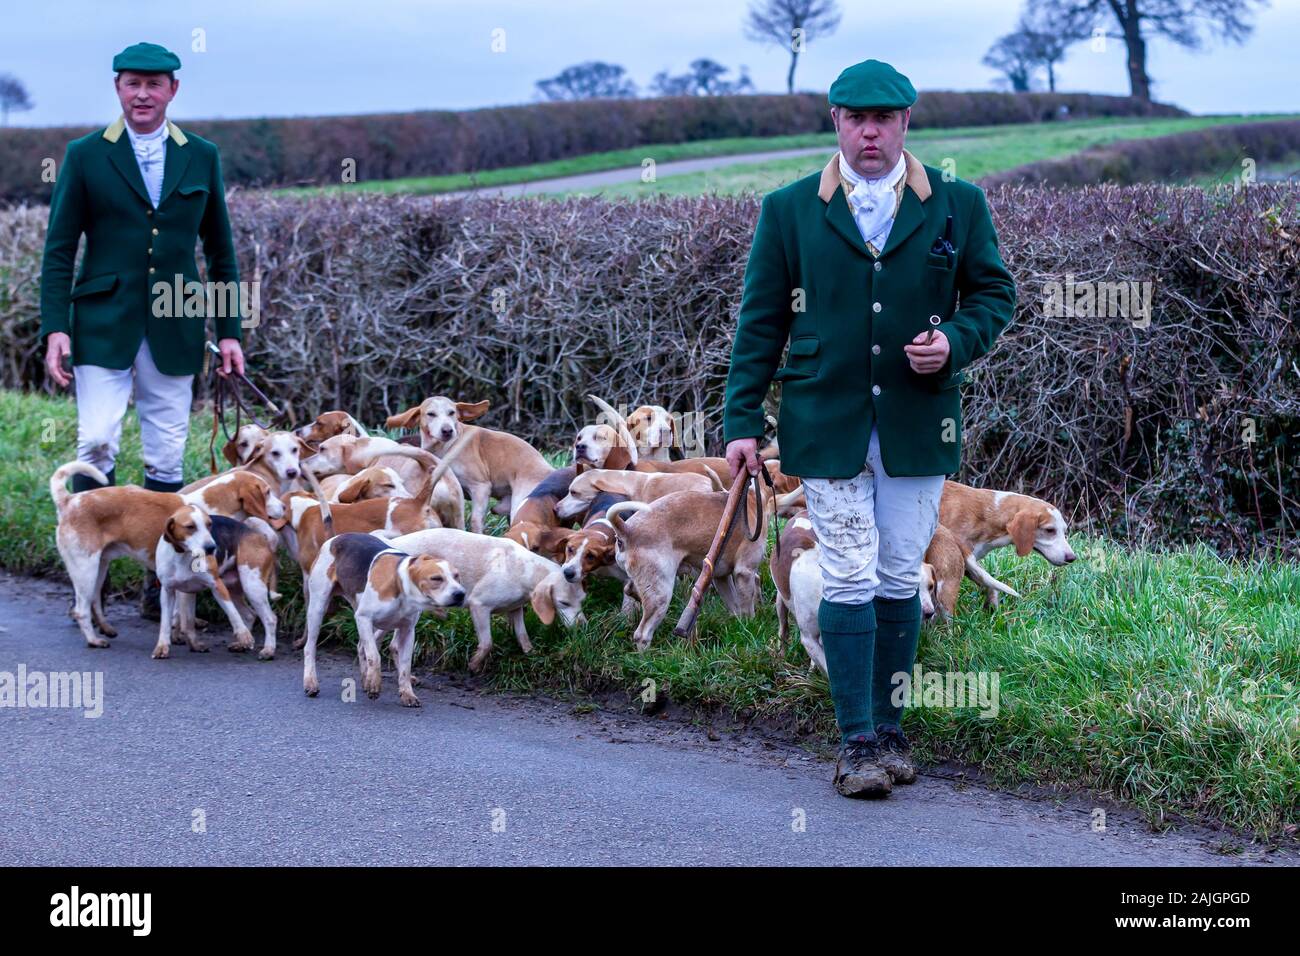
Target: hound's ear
469, 411
230, 452
304, 450
407, 419
354, 492
258, 450
169, 533
603, 483
544, 601
554, 540
1023, 529
254, 500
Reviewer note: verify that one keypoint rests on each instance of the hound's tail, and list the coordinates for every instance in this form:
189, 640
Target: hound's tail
713, 477
426, 490
58, 481
615, 514
789, 498
977, 573
619, 424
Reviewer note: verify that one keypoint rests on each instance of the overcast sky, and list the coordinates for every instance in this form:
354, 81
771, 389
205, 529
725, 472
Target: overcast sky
313, 57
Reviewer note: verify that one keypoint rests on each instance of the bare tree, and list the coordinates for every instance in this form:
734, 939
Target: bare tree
586, 81
791, 24
1011, 56
1185, 22
1046, 41
705, 78
13, 96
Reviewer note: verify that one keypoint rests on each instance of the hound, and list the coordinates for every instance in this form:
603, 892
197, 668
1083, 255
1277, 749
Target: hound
276, 459
984, 520
329, 424
388, 590
673, 535
634, 485
372, 482
494, 464
655, 431
201, 552
502, 577
240, 448
100, 524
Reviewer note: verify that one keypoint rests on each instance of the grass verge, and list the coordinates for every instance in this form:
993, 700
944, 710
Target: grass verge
1165, 680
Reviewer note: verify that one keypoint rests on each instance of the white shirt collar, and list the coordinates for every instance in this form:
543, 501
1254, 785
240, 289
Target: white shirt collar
157, 134
888, 180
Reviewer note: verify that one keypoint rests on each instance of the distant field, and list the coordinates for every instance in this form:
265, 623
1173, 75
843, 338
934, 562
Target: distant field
977, 150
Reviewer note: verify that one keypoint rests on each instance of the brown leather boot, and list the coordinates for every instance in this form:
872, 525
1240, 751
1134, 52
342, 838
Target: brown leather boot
896, 754
857, 772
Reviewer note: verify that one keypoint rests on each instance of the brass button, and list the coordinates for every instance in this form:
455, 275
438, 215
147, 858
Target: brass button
875, 389
151, 270
875, 350
875, 307
155, 232
148, 212
877, 266
151, 250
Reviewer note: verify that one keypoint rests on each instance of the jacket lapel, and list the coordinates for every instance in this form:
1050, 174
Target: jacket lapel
178, 158
909, 219
122, 156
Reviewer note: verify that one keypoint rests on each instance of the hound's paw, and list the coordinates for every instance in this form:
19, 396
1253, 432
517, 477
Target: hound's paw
408, 699
108, 630
198, 647
298, 644
97, 642
244, 642
162, 651
311, 686
266, 654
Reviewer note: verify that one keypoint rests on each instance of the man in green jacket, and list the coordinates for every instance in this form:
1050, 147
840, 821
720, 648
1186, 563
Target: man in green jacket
142, 193
885, 279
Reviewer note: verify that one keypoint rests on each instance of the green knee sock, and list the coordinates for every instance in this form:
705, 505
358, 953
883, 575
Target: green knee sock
848, 638
898, 623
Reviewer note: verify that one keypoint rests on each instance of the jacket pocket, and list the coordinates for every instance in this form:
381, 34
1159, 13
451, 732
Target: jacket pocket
189, 189
94, 285
802, 360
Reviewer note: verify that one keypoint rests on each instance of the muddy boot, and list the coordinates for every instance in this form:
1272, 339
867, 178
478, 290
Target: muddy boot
857, 772
895, 754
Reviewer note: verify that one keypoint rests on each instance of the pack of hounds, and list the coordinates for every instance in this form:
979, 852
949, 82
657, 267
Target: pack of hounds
380, 523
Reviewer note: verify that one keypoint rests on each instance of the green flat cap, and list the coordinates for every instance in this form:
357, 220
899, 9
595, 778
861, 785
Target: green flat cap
146, 58
872, 84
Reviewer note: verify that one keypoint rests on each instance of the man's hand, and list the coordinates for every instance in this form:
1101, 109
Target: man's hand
57, 345
924, 358
232, 356
743, 452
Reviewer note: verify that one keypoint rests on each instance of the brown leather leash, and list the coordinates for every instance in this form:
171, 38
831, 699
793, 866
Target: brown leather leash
737, 501
225, 389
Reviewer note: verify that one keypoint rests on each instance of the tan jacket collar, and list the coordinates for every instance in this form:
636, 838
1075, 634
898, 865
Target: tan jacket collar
114, 132
915, 177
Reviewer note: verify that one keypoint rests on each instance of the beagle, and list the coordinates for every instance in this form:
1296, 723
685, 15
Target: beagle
494, 464
500, 576
634, 485
276, 459
372, 482
983, 520
672, 535
100, 524
388, 590
329, 424
239, 449
347, 454
201, 552
538, 508
390, 516
655, 431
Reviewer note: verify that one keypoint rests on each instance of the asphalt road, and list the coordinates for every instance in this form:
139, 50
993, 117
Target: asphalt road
469, 778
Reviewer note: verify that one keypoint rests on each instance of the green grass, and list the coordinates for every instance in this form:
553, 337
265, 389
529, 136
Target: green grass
976, 150
1168, 681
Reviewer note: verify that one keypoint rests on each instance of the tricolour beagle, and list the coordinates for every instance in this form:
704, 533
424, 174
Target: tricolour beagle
388, 590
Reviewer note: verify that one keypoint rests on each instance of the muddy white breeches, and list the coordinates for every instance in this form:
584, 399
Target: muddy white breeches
161, 401
872, 530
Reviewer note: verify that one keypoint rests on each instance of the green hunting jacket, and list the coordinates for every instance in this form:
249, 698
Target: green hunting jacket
846, 369
130, 247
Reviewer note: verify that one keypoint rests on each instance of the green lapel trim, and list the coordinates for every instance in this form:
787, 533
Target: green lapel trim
122, 157
174, 165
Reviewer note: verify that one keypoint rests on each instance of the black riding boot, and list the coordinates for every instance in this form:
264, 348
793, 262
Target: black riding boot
86, 483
